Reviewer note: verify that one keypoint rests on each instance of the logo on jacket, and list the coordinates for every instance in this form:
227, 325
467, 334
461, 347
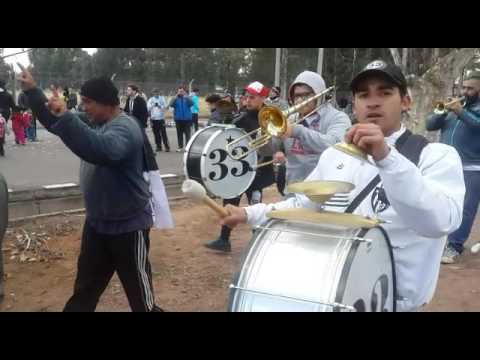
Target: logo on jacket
380, 201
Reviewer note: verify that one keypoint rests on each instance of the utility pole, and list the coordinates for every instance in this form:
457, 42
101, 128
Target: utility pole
320, 61
278, 56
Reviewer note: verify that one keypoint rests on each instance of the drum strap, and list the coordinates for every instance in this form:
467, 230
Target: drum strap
410, 146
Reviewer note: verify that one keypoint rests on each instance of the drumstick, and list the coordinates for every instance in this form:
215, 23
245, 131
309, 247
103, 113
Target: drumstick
197, 192
274, 162
264, 164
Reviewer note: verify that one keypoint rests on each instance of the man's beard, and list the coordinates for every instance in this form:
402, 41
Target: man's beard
472, 99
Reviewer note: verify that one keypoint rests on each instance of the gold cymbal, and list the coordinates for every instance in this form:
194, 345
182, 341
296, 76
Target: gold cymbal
319, 198
318, 188
325, 217
351, 150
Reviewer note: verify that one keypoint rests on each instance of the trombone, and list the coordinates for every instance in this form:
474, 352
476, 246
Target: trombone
441, 107
274, 123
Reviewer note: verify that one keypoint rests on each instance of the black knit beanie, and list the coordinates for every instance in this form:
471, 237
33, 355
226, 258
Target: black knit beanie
102, 90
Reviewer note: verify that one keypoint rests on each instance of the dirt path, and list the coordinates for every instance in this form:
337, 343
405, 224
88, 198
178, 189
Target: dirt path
187, 276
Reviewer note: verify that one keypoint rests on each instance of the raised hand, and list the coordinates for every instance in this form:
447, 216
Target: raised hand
369, 138
56, 104
25, 78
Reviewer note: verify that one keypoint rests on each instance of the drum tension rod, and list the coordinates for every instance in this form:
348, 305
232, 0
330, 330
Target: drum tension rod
333, 305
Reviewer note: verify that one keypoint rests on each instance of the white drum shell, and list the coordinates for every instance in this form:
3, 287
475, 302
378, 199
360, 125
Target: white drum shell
290, 270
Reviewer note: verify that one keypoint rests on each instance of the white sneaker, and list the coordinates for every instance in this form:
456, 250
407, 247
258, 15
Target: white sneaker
475, 248
450, 256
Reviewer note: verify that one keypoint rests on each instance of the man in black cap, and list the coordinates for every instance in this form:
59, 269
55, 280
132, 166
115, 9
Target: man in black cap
415, 186
460, 128
117, 197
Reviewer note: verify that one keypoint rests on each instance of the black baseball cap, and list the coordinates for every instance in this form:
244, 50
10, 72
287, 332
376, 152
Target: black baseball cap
391, 71
473, 75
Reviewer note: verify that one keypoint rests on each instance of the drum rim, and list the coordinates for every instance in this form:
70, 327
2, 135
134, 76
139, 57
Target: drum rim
189, 146
220, 128
243, 259
342, 282
203, 159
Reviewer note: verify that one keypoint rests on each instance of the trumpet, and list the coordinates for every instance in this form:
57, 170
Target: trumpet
441, 107
274, 123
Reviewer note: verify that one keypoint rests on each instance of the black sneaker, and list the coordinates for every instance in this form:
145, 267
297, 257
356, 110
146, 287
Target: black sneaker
167, 150
219, 245
159, 150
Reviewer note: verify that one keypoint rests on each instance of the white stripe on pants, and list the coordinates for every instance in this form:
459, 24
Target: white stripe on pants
142, 270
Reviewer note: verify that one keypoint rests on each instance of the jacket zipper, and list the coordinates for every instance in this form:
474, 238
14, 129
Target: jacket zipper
453, 132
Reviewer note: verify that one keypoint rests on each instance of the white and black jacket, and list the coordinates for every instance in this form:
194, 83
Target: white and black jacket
422, 205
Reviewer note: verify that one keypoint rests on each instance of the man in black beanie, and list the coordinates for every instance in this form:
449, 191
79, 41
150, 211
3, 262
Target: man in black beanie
117, 197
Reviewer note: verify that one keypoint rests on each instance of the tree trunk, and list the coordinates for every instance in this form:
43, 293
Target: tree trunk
404, 60
182, 67
354, 62
436, 85
335, 67
436, 55
396, 56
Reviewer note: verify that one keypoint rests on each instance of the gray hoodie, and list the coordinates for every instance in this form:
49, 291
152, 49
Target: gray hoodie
320, 131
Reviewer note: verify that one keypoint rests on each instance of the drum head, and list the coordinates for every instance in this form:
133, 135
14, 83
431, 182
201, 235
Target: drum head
368, 281
291, 266
217, 171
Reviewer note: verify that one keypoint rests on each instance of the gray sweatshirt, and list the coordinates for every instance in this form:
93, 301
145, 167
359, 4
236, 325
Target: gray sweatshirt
318, 132
111, 172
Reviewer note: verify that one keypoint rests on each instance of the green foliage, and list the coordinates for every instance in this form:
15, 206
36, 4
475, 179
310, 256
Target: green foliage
228, 68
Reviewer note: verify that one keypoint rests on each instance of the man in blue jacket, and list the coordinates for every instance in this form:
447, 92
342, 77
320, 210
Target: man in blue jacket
195, 108
460, 128
182, 115
117, 197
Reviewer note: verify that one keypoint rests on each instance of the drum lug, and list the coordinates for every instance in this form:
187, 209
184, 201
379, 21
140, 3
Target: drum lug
369, 246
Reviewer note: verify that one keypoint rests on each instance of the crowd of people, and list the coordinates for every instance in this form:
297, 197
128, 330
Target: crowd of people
20, 116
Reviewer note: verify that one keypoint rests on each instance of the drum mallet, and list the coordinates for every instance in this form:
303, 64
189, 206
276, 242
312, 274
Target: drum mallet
197, 192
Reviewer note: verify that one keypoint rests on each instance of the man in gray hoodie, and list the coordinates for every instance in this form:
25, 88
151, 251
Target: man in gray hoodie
304, 142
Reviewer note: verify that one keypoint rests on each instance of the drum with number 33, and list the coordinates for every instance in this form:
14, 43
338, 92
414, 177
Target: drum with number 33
207, 161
